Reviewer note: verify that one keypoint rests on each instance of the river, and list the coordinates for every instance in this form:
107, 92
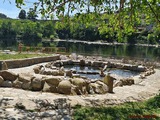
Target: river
150, 53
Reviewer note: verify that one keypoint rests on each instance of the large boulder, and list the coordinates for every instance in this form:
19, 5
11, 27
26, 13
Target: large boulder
64, 87
109, 80
49, 88
81, 85
103, 88
36, 84
95, 88
1, 80
25, 78
53, 80
26, 86
78, 82
8, 75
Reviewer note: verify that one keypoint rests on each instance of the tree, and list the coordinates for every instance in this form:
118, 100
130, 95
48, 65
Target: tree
22, 14
31, 14
2, 15
149, 7
7, 34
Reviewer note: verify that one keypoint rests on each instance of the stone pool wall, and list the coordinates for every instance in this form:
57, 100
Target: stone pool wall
26, 62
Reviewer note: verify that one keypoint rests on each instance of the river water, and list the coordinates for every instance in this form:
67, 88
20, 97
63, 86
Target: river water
118, 51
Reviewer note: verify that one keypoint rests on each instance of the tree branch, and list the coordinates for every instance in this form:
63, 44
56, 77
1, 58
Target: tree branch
156, 16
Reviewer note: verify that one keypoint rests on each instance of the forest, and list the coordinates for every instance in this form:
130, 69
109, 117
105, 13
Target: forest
132, 22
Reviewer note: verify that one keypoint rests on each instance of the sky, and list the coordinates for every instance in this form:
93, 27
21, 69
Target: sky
11, 10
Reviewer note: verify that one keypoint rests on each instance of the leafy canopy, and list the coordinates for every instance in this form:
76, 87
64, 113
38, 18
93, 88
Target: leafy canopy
148, 7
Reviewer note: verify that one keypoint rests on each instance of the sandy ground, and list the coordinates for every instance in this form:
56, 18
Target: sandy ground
141, 90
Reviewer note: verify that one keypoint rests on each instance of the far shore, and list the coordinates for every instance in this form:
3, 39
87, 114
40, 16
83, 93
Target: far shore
99, 42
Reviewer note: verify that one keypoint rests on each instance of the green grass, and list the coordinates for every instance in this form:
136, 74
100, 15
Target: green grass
20, 56
147, 110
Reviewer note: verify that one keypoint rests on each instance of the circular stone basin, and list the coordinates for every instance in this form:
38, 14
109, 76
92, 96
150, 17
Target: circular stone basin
93, 72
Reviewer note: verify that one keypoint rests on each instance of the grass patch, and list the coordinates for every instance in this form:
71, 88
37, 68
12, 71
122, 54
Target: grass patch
20, 56
147, 110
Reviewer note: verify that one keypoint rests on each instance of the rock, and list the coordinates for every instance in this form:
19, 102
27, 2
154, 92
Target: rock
61, 71
81, 85
46, 72
55, 80
36, 84
101, 73
4, 65
73, 56
82, 62
70, 62
105, 68
55, 72
109, 64
95, 87
118, 83
7, 75
25, 78
69, 73
97, 64
1, 80
49, 88
63, 57
58, 63
65, 87
17, 84
127, 81
26, 86
103, 87
38, 68
141, 68
119, 65
108, 80
65, 62
48, 65
89, 63
76, 75
6, 83
98, 87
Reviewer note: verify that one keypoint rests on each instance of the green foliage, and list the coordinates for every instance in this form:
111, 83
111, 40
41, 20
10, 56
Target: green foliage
51, 37
88, 27
149, 8
22, 14
31, 14
126, 111
29, 32
2, 15
20, 56
154, 102
7, 34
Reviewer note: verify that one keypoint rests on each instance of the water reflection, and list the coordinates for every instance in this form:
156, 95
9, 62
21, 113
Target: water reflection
145, 52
